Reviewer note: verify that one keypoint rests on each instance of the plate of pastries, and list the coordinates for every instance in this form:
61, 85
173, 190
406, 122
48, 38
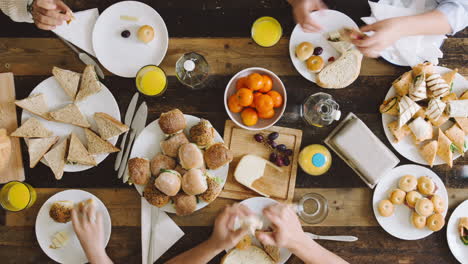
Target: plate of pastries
425, 115
457, 232
179, 163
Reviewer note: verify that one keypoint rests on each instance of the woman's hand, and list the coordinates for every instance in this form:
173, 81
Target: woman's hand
48, 14
301, 12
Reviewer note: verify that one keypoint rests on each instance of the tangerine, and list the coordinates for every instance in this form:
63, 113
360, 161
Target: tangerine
277, 98
267, 115
253, 102
244, 96
234, 105
249, 117
267, 84
255, 81
241, 83
264, 103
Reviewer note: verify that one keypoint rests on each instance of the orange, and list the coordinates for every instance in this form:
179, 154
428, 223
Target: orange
277, 98
244, 96
241, 83
233, 104
249, 117
267, 84
267, 115
257, 94
255, 81
264, 103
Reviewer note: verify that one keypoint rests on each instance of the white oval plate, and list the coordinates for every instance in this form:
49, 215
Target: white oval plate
147, 145
406, 146
56, 98
45, 228
125, 56
330, 20
399, 225
458, 249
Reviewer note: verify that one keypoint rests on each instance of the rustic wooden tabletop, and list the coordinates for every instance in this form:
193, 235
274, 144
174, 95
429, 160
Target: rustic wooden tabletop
220, 30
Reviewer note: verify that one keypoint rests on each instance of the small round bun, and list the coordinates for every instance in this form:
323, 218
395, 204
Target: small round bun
172, 122
439, 204
418, 221
217, 155
60, 211
315, 64
425, 185
424, 207
155, 196
202, 133
386, 208
397, 196
304, 51
185, 204
435, 222
145, 33
194, 182
161, 161
412, 197
139, 170
214, 189
191, 157
168, 182
408, 183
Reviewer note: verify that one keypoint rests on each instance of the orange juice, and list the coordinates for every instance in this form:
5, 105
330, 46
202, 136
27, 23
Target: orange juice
266, 31
151, 80
16, 196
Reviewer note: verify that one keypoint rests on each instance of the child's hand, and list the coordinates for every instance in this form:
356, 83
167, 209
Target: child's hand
301, 12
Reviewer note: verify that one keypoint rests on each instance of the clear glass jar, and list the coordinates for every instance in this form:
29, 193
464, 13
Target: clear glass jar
312, 208
192, 70
320, 110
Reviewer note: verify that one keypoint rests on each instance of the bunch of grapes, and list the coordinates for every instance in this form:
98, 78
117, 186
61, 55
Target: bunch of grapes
280, 155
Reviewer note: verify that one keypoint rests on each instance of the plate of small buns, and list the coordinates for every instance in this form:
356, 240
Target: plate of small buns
457, 232
410, 202
179, 163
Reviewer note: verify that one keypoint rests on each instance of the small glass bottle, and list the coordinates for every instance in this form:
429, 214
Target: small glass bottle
312, 208
320, 110
192, 70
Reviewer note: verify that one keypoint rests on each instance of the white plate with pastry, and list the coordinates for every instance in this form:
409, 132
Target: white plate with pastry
129, 35
458, 223
423, 128
58, 239
407, 191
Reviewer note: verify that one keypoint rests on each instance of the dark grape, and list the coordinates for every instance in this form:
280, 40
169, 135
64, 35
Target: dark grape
273, 157
272, 143
279, 161
331, 59
286, 161
288, 152
281, 147
258, 137
273, 136
318, 51
125, 34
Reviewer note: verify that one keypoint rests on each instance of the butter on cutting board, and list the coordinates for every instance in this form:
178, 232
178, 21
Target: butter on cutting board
250, 169
59, 240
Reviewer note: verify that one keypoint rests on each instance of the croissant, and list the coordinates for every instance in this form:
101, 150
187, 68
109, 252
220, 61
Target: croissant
417, 91
437, 85
435, 109
407, 110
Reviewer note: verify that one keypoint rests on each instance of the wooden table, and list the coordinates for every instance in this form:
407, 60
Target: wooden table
220, 31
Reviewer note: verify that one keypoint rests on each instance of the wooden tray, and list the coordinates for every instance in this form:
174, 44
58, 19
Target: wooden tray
279, 185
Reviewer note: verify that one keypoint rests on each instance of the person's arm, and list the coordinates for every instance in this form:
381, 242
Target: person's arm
288, 233
301, 12
17, 10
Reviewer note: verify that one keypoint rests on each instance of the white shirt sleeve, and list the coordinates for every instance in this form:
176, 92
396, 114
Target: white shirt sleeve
17, 10
456, 12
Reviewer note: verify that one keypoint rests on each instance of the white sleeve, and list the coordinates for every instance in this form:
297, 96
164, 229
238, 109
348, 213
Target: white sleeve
17, 10
456, 12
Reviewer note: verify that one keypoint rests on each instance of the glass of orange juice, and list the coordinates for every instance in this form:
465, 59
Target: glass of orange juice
266, 31
16, 196
151, 80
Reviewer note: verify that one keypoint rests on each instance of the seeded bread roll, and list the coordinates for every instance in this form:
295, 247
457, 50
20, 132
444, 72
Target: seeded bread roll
139, 170
217, 155
185, 204
161, 161
172, 122
155, 196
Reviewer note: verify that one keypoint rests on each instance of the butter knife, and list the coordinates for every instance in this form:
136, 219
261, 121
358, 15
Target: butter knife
334, 238
85, 58
128, 121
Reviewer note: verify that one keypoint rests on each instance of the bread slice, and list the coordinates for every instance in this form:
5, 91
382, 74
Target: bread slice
37, 147
429, 151
108, 126
70, 114
68, 80
35, 104
443, 148
252, 254
457, 136
89, 84
77, 153
56, 158
342, 72
97, 145
32, 128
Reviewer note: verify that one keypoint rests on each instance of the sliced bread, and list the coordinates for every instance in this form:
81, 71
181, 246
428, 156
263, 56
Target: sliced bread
35, 104
249, 255
89, 84
78, 154
37, 147
108, 126
97, 145
32, 128
56, 158
68, 80
342, 72
70, 114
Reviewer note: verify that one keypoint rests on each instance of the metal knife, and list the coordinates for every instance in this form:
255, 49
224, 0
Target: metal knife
138, 124
85, 58
334, 238
128, 121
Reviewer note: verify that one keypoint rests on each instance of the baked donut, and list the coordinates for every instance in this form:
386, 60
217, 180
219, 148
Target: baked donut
425, 185
424, 207
412, 197
145, 33
386, 208
439, 204
304, 51
315, 64
418, 221
408, 183
397, 196
435, 222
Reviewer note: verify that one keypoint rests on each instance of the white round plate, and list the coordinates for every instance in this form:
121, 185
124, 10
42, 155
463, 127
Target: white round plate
45, 227
256, 205
147, 145
406, 146
330, 20
125, 56
56, 98
399, 225
458, 249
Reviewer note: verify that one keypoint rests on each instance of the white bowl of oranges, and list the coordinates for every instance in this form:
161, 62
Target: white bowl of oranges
255, 98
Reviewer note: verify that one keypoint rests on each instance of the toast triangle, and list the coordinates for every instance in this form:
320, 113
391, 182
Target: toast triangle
35, 104
37, 147
56, 158
108, 126
89, 84
68, 80
32, 128
77, 153
70, 114
97, 145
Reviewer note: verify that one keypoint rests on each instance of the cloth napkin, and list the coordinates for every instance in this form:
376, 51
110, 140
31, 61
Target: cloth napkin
166, 232
411, 50
80, 30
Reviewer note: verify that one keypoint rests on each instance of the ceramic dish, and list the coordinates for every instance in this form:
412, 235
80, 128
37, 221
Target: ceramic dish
458, 249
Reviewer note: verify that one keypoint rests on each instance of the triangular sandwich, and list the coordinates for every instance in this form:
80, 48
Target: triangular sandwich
68, 80
70, 114
89, 84
443, 148
457, 136
56, 158
77, 153
97, 145
35, 104
32, 128
37, 147
108, 126
429, 151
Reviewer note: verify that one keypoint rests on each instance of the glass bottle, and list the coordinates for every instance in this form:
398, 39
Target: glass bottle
312, 208
320, 110
192, 70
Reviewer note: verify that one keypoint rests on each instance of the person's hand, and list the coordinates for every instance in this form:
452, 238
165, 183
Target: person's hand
48, 14
301, 12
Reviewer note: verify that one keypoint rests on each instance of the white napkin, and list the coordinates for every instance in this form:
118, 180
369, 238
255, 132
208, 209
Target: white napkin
166, 232
409, 50
80, 30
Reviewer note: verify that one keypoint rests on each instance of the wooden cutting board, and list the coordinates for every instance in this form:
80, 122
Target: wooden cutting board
14, 171
278, 185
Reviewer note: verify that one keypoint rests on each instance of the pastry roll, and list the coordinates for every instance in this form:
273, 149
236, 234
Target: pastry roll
418, 91
435, 109
407, 109
429, 151
437, 85
443, 148
390, 106
457, 108
457, 136
463, 123
422, 130
423, 68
